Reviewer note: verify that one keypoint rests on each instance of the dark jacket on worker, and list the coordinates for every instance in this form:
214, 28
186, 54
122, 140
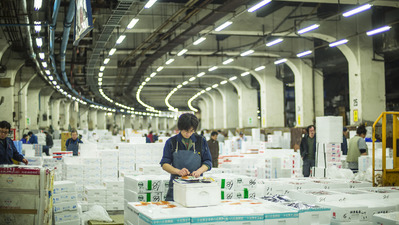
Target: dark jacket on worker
214, 149
304, 148
8, 151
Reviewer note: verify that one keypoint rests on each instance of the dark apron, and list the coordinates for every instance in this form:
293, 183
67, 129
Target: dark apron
74, 147
190, 160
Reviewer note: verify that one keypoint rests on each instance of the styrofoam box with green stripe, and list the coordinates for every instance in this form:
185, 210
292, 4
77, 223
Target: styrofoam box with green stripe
144, 183
234, 182
132, 196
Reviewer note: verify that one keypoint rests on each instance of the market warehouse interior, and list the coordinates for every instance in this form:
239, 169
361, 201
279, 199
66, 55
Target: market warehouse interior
257, 72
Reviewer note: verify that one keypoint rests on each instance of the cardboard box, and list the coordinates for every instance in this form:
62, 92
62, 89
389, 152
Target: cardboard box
19, 200
20, 178
196, 194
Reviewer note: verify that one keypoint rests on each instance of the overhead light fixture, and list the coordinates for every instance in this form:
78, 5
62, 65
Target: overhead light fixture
357, 10
159, 69
185, 82
208, 89
249, 52
202, 92
54, 82
340, 42
147, 79
259, 5
47, 72
169, 61
244, 74
280, 61
184, 50
102, 68
100, 83
201, 74
223, 26
58, 87
378, 30
112, 51
100, 79
39, 42
260, 68
309, 28
233, 78
302, 54
44, 64
174, 90
41, 55
198, 41
149, 4
212, 68
179, 86
223, 82
228, 61
37, 4
106, 61
100, 74
38, 26
279, 40
120, 39
153, 74
50, 78
215, 85
132, 23
192, 79
143, 83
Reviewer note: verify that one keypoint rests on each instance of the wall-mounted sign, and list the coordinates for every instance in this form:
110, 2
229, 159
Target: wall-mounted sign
83, 20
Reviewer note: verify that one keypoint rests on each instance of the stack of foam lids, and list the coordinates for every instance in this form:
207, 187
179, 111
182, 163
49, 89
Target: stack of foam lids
65, 203
145, 188
24, 195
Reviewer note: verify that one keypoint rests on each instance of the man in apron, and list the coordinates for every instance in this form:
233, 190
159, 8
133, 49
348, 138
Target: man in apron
186, 153
72, 144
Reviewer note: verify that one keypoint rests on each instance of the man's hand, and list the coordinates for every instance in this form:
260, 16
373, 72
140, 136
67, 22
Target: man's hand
196, 173
183, 172
25, 161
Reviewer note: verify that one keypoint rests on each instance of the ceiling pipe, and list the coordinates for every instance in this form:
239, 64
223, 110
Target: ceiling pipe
52, 37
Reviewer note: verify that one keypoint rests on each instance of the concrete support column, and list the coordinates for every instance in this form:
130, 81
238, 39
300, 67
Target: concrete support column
163, 123
172, 124
33, 108
92, 118
73, 115
319, 92
136, 122
101, 120
83, 118
247, 106
155, 124
64, 114
202, 105
230, 106
44, 112
127, 120
23, 108
118, 120
55, 114
218, 110
144, 122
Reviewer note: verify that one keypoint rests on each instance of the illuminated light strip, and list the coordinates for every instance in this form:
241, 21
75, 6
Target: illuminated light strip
260, 68
182, 52
274, 42
228, 61
280, 61
259, 5
340, 42
223, 26
249, 52
244, 74
378, 30
197, 42
302, 54
149, 4
357, 10
309, 28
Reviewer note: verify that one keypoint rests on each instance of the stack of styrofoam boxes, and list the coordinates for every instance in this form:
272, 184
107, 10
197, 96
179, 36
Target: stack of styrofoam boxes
73, 171
24, 195
27, 150
91, 171
236, 186
38, 149
231, 146
65, 203
109, 164
279, 164
95, 195
35, 160
127, 157
328, 147
55, 163
88, 149
386, 218
286, 140
143, 188
156, 152
143, 154
41, 138
114, 193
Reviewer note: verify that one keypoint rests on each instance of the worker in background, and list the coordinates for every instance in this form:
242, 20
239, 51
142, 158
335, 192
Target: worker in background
357, 147
7, 147
25, 139
72, 144
344, 144
308, 150
241, 139
151, 137
220, 136
213, 145
32, 138
49, 143
186, 153
147, 139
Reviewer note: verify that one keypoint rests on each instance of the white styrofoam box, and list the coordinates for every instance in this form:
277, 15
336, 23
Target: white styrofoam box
164, 216
144, 183
65, 206
278, 214
124, 173
114, 206
196, 194
69, 222
211, 215
149, 169
65, 197
64, 186
227, 194
115, 192
94, 190
386, 218
350, 211
131, 212
111, 184
66, 216
315, 195
34, 160
329, 129
132, 196
101, 200
382, 192
114, 199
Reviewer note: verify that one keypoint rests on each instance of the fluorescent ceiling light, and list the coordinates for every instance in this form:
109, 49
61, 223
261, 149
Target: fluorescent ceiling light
182, 52
197, 42
201, 74
185, 82
179, 86
47, 72
37, 4
302, 54
100, 83
106, 61
228, 61
120, 39
244, 74
357, 10
147, 79
153, 74
212, 68
41, 55
309, 28
112, 51
192, 79
280, 61
202, 92
54, 82
58, 87
159, 69
249, 52
44, 64
223, 82
378, 30
260, 68
215, 85
340, 42
100, 74
132, 23
39, 42
208, 89
174, 89
100, 79
224, 25
38, 26
149, 4
102, 68
169, 61
259, 5
50, 78
274, 42
143, 83
233, 78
